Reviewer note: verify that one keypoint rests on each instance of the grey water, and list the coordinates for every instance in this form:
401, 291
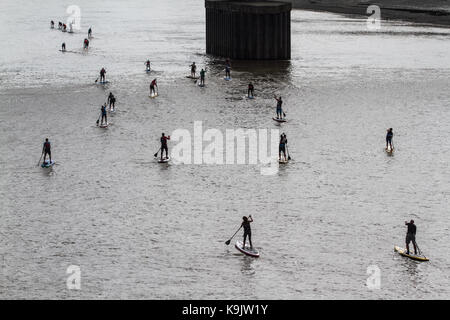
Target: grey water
141, 230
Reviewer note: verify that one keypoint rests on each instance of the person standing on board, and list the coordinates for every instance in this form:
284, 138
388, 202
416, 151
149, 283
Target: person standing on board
250, 90
389, 136
279, 108
147, 64
152, 88
164, 146
89, 33
46, 150
86, 44
193, 69
411, 236
104, 116
111, 102
52, 24
247, 230
282, 147
227, 69
202, 77
102, 75
63, 47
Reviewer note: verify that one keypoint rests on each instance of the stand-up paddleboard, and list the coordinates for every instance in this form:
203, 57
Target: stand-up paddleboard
227, 78
279, 120
104, 125
193, 77
104, 82
247, 250
62, 50
402, 252
249, 97
48, 164
200, 85
283, 161
153, 96
148, 70
112, 110
163, 160
389, 149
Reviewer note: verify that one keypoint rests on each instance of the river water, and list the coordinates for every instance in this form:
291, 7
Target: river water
139, 229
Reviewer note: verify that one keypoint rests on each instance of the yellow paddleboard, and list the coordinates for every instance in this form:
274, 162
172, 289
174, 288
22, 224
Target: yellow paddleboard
402, 252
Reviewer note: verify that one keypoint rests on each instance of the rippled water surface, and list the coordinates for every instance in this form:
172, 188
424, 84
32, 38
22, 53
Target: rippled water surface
139, 229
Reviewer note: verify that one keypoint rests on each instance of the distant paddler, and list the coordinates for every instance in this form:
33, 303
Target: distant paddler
202, 77
282, 148
86, 44
147, 64
411, 236
164, 146
111, 102
63, 47
46, 150
247, 230
227, 69
250, 90
193, 69
279, 107
153, 84
90, 32
389, 137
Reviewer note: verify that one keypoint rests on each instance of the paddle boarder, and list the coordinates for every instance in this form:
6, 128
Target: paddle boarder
164, 146
411, 236
104, 116
282, 147
46, 149
247, 230
193, 69
111, 101
202, 77
52, 24
147, 64
86, 44
63, 46
90, 32
152, 87
250, 90
227, 69
389, 136
102, 75
279, 108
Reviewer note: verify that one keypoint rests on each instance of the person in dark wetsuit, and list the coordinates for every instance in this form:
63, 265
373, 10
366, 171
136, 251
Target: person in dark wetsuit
89, 32
250, 90
227, 69
147, 64
52, 24
193, 69
59, 25
152, 87
247, 230
411, 236
104, 116
279, 108
111, 101
164, 146
86, 44
63, 46
389, 136
202, 77
282, 148
102, 75
46, 149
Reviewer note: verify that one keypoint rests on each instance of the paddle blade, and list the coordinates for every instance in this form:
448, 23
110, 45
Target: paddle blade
227, 242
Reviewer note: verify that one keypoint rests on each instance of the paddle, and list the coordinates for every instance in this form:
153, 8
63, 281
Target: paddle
156, 154
96, 80
40, 157
228, 241
287, 149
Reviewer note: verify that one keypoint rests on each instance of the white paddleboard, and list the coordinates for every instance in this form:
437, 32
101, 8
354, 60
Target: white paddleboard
48, 164
279, 120
103, 126
389, 149
164, 160
247, 250
153, 96
402, 252
283, 161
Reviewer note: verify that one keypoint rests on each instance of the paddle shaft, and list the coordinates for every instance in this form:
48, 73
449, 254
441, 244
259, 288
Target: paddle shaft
234, 234
40, 157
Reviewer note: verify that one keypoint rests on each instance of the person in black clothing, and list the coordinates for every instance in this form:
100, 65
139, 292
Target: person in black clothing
46, 149
164, 146
411, 236
250, 90
104, 116
389, 136
247, 230
112, 102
